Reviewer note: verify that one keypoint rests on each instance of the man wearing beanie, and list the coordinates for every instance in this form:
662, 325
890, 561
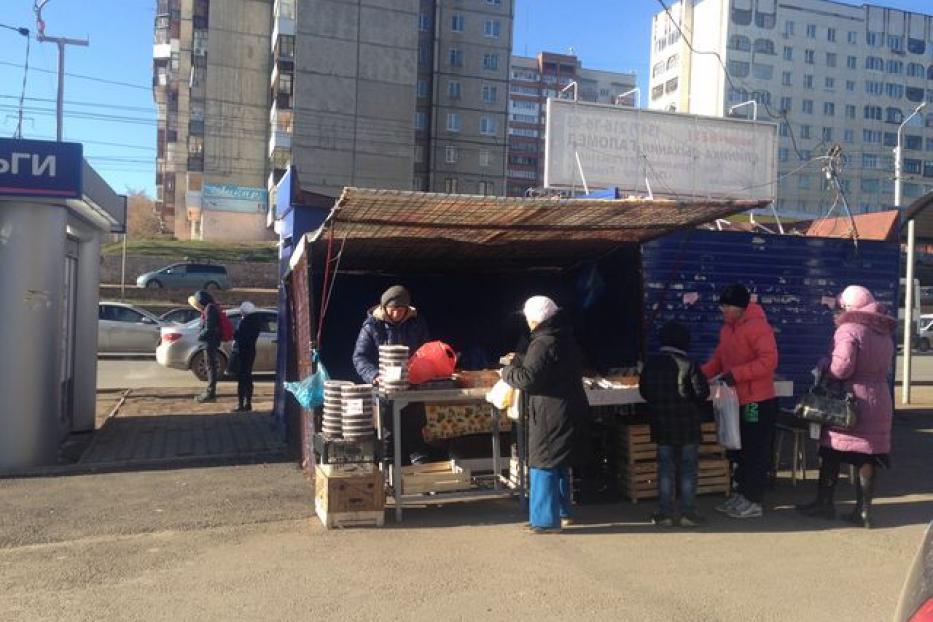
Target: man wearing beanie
745, 359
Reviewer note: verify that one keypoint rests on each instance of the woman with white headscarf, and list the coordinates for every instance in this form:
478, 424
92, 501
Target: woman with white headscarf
244, 354
551, 375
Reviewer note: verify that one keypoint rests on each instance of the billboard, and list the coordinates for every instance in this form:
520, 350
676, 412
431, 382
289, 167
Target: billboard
230, 198
678, 154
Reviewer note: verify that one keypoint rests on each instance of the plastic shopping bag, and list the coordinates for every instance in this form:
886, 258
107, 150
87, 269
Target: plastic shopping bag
726, 407
500, 395
310, 392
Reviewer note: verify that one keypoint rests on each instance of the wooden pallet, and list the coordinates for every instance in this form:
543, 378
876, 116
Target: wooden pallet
435, 477
342, 520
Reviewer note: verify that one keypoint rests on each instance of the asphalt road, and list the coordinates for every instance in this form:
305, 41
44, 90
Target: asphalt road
145, 373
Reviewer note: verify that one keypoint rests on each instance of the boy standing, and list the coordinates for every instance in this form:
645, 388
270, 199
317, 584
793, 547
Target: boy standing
674, 388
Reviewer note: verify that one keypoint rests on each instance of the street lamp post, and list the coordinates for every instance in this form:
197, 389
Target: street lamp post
635, 90
909, 277
752, 103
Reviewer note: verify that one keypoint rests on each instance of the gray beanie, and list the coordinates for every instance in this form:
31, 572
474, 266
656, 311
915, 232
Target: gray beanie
396, 296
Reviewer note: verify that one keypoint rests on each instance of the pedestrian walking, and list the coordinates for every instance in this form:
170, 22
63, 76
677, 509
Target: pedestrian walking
244, 354
210, 336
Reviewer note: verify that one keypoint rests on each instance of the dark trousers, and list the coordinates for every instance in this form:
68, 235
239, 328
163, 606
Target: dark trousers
756, 423
244, 386
213, 370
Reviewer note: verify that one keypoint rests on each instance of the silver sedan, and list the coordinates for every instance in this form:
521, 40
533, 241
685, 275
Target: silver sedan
125, 329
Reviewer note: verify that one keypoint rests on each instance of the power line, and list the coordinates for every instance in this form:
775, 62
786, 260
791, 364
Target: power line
84, 77
25, 33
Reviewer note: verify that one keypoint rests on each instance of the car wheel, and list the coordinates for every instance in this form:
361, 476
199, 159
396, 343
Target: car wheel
154, 284
211, 286
199, 365
924, 345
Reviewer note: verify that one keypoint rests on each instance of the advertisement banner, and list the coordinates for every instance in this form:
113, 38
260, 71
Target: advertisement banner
230, 198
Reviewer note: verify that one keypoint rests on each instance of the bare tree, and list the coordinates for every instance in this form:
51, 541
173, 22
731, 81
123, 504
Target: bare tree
141, 218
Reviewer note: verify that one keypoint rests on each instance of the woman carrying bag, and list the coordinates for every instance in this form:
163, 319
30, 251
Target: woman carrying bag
863, 349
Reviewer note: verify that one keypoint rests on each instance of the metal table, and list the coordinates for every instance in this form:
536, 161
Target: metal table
398, 400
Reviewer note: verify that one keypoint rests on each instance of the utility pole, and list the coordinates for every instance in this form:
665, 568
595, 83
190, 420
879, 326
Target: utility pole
909, 280
61, 42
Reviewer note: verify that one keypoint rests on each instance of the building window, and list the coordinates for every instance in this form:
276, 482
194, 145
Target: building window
421, 120
851, 62
809, 56
893, 115
827, 134
456, 57
484, 157
850, 111
450, 185
783, 154
786, 79
804, 131
494, 2
740, 43
487, 188
852, 38
896, 43
487, 125
830, 34
874, 63
873, 87
914, 143
915, 70
807, 106
895, 66
829, 109
873, 113
491, 62
871, 136
914, 94
453, 89
490, 94
829, 83
492, 28
759, 71
784, 129
424, 23
764, 46
742, 17
785, 104
850, 86
456, 23
830, 59
453, 122
848, 136
811, 31
450, 154
788, 27
788, 53
739, 69
422, 88
895, 91
890, 139
808, 81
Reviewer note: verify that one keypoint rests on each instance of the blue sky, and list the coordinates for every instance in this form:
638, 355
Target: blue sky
606, 34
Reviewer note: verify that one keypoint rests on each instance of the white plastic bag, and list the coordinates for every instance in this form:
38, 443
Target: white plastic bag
726, 407
501, 395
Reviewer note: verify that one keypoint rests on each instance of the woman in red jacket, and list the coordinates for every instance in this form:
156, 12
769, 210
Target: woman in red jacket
745, 359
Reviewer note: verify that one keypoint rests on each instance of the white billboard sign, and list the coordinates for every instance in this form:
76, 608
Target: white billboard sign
678, 154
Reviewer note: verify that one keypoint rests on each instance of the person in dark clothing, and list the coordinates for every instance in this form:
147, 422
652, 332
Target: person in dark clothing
209, 335
674, 388
394, 321
244, 353
550, 374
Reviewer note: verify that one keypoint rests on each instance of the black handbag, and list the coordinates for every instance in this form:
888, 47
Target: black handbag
829, 405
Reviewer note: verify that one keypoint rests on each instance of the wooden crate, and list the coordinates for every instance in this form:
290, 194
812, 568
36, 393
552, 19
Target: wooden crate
435, 477
349, 495
638, 468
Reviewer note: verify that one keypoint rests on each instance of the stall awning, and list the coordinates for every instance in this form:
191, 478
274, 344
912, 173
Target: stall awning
399, 230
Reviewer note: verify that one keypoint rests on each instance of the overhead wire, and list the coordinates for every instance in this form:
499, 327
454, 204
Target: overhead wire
24, 32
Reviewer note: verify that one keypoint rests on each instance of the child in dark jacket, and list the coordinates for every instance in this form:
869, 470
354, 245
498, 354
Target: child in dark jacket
675, 389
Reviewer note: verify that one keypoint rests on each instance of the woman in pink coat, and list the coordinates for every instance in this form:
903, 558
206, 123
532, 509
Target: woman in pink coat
863, 350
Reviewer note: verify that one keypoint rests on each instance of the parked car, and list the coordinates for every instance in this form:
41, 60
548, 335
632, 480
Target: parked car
186, 275
123, 328
180, 315
925, 336
916, 601
179, 347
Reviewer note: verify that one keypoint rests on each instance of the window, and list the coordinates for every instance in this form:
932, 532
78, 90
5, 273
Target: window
494, 2
739, 69
484, 157
830, 59
783, 154
424, 23
456, 23
788, 27
915, 70
808, 81
889, 139
893, 115
807, 106
809, 56
487, 125
456, 57
453, 122
914, 94
895, 66
916, 46
765, 20
830, 34
453, 89
852, 38
873, 113
871, 136
764, 46
788, 53
873, 87
671, 85
874, 39
487, 188
912, 167
850, 111
811, 31
874, 63
851, 62
896, 43
827, 134
784, 129
491, 62
742, 17
786, 79
450, 154
762, 97
914, 143
489, 94
450, 185
848, 136
785, 104
894, 90
850, 86
829, 109
421, 121
829, 84
284, 83
761, 72
492, 28
422, 88
804, 131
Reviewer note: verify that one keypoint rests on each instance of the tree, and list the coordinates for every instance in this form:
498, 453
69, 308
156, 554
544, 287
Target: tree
141, 218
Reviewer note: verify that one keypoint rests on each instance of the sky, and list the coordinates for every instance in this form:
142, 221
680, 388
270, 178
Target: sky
605, 34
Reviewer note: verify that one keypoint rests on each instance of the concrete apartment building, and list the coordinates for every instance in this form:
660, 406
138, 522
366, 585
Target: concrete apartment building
828, 73
405, 94
211, 87
531, 81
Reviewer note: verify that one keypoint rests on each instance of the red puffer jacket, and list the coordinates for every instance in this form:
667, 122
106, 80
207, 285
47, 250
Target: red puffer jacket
748, 350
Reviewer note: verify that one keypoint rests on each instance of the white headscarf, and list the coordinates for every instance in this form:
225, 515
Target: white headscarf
246, 307
539, 309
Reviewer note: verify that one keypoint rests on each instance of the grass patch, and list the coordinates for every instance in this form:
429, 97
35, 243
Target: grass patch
217, 252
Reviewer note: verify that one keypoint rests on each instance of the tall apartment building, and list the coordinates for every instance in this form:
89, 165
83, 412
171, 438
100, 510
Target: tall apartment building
408, 94
828, 73
210, 84
532, 81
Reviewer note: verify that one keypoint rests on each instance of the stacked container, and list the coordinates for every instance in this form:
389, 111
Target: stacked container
333, 408
357, 411
393, 368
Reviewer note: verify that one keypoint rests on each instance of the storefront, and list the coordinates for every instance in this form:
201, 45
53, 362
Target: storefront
54, 210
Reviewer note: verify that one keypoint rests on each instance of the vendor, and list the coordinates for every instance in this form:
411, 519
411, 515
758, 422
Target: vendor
394, 321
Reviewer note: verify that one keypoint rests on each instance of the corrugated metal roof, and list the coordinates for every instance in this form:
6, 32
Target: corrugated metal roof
875, 226
393, 229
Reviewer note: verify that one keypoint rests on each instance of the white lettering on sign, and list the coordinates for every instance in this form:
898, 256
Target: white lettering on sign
39, 165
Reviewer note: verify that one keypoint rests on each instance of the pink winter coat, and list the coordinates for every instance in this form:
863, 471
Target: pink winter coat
863, 351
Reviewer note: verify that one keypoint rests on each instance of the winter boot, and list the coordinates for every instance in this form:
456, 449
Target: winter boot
823, 506
864, 495
239, 408
247, 405
207, 396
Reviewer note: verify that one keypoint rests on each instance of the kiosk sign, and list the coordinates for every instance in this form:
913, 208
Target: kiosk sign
40, 169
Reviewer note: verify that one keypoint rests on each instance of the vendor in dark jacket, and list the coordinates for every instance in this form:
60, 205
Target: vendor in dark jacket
244, 353
675, 389
550, 373
209, 335
394, 321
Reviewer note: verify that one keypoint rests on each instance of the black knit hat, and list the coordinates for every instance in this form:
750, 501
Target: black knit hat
397, 296
675, 335
735, 295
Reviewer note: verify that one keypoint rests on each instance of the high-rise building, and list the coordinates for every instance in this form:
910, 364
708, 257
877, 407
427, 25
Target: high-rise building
210, 84
409, 94
531, 81
826, 72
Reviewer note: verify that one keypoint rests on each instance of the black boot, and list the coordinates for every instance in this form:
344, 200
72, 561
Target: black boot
823, 506
239, 407
247, 405
864, 494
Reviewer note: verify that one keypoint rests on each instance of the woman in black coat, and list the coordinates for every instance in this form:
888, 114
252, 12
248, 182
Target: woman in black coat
551, 375
244, 349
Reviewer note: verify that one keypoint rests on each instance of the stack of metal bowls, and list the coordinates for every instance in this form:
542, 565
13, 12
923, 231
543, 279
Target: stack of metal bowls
333, 408
357, 409
393, 368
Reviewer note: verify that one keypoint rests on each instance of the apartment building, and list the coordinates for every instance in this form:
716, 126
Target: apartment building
210, 85
827, 73
531, 81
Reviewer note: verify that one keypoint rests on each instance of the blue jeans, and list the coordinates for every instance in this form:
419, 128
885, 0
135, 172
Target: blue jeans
670, 459
549, 497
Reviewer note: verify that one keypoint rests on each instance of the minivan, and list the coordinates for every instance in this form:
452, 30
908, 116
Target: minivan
186, 275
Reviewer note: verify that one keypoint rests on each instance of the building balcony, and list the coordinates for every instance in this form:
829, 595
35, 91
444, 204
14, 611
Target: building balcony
282, 25
279, 140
